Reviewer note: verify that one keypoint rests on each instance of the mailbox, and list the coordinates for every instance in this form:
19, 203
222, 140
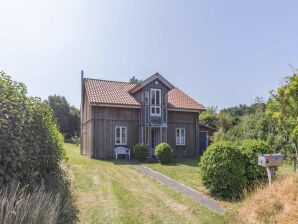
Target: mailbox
270, 160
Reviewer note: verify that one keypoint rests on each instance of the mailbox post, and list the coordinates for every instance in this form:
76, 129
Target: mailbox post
270, 161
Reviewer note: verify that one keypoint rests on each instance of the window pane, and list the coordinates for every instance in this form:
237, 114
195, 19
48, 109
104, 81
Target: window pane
153, 97
123, 135
182, 136
146, 97
178, 136
158, 110
146, 135
157, 97
118, 135
153, 110
164, 100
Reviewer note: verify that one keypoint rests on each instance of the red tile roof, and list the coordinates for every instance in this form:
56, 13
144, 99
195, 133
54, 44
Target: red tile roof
178, 99
109, 92
113, 92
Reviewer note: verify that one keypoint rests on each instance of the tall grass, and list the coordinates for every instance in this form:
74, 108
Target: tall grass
18, 205
275, 204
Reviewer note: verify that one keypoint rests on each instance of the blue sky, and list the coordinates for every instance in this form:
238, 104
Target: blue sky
219, 52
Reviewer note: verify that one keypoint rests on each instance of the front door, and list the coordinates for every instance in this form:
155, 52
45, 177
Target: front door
155, 139
203, 141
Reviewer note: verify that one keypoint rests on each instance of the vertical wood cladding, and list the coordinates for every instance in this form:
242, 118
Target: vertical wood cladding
188, 121
105, 119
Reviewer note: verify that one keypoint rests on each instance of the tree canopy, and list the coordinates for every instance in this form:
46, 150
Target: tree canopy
67, 117
274, 121
134, 80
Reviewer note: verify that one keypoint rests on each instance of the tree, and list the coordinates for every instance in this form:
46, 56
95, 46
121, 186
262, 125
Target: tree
282, 107
67, 117
134, 80
209, 117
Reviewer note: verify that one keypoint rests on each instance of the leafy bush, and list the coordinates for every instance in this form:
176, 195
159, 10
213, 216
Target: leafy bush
164, 153
251, 150
18, 205
223, 170
31, 144
140, 151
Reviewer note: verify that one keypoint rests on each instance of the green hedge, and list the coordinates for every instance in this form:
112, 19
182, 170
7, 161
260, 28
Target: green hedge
164, 153
223, 170
31, 145
140, 151
251, 150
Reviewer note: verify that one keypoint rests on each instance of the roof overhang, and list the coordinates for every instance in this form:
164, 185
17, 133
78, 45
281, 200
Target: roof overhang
116, 105
150, 79
186, 110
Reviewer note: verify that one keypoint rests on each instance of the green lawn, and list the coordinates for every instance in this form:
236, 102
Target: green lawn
183, 170
186, 170
114, 192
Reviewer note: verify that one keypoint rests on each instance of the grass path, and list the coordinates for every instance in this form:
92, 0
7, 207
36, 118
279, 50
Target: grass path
113, 192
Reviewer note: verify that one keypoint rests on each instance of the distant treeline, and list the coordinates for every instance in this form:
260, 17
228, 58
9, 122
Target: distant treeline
66, 116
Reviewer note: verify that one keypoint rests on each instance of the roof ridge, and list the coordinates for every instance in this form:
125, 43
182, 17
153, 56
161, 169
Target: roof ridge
105, 80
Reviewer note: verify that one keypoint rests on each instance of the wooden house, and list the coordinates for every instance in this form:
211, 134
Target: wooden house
123, 114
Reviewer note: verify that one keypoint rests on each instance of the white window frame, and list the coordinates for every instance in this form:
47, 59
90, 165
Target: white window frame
179, 138
155, 106
122, 141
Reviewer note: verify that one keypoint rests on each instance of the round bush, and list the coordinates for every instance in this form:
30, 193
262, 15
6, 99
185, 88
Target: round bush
223, 170
251, 150
164, 153
140, 152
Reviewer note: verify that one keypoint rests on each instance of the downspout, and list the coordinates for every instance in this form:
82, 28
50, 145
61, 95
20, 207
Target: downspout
197, 136
81, 112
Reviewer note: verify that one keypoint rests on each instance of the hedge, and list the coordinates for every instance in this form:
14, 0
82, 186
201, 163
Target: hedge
223, 170
31, 145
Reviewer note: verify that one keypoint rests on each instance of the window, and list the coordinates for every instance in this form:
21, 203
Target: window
146, 97
120, 135
146, 135
155, 102
180, 136
164, 100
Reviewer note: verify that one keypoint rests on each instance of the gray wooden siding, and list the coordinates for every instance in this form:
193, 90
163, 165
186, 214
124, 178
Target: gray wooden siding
187, 120
105, 119
86, 132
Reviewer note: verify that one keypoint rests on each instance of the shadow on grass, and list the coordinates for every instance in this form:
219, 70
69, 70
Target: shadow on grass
176, 161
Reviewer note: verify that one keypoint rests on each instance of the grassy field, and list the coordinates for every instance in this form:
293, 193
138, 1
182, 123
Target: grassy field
114, 192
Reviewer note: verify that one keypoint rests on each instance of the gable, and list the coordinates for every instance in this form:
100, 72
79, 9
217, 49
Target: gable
150, 81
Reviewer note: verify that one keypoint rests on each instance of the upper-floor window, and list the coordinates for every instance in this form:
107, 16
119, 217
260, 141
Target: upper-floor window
120, 135
165, 99
180, 136
146, 97
155, 102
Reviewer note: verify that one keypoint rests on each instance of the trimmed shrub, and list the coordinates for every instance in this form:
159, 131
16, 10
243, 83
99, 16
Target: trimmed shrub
164, 153
223, 170
140, 151
251, 150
